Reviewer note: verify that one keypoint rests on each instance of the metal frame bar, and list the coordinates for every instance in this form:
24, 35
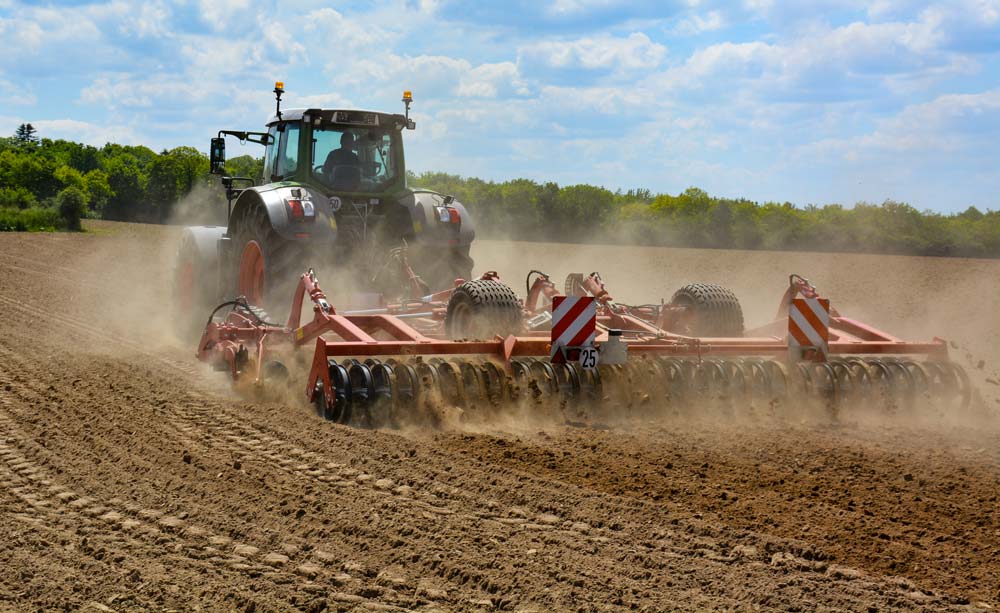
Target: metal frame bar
415, 328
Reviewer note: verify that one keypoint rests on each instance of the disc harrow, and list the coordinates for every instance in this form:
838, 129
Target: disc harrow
374, 393
405, 363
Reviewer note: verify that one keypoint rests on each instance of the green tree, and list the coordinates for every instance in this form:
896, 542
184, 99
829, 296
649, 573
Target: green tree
582, 210
245, 166
33, 172
69, 177
26, 134
72, 204
16, 198
98, 190
83, 158
126, 182
172, 175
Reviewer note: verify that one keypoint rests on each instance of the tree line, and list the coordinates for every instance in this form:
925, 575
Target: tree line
48, 184
531, 210
71, 180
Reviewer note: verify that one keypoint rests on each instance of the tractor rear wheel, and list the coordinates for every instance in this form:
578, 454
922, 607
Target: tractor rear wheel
195, 286
481, 309
711, 311
266, 265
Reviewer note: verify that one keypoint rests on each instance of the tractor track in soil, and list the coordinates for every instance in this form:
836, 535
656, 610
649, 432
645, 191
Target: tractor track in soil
127, 479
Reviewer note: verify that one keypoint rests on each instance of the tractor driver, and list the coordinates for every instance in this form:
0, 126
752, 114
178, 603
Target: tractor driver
342, 168
345, 156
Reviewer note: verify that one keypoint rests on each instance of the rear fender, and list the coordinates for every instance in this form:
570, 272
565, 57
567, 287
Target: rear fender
272, 198
426, 226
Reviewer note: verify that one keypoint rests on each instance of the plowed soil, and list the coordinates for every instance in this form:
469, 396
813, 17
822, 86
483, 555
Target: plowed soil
132, 479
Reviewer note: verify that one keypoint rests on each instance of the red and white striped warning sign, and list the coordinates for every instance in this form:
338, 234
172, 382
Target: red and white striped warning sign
574, 324
809, 327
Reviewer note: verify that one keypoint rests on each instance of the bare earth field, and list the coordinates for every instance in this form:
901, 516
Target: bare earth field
133, 479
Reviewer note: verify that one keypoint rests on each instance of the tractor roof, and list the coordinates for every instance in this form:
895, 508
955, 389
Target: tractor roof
345, 116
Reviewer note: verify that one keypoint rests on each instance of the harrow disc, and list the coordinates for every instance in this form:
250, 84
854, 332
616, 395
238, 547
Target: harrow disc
387, 394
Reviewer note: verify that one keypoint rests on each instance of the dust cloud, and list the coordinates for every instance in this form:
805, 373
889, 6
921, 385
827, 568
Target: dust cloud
916, 298
129, 290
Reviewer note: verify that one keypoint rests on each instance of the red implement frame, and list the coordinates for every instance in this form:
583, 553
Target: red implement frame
415, 328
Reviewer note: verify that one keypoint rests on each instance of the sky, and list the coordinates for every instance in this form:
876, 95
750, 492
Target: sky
808, 101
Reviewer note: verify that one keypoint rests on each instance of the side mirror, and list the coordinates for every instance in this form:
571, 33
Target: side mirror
217, 156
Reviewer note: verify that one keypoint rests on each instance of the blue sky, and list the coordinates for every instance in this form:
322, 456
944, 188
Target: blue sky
811, 101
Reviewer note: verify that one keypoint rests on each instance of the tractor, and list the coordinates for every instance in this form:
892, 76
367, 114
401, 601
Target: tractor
333, 197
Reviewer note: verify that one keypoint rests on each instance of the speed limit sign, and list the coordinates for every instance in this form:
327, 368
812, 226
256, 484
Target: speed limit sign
588, 357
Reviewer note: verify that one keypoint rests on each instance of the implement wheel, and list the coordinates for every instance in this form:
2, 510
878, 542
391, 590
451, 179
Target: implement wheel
710, 310
481, 309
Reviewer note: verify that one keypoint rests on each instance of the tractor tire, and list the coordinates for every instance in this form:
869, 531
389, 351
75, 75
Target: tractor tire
195, 289
482, 309
713, 311
266, 266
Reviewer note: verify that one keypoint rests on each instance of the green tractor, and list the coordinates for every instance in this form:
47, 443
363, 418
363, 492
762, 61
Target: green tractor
333, 197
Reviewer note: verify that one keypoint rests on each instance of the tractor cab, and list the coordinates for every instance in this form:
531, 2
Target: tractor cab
357, 152
335, 150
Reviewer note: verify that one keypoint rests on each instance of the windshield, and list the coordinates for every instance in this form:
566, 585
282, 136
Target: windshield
354, 159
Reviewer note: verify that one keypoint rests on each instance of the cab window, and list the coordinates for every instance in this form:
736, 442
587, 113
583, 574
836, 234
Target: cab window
269, 149
288, 151
355, 159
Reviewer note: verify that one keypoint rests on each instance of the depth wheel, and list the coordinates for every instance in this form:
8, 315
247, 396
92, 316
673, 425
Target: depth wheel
481, 309
711, 310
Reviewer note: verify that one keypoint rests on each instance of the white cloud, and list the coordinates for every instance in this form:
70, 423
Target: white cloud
700, 24
330, 100
821, 64
893, 44
488, 80
951, 123
148, 20
761, 6
26, 34
42, 41
209, 60
124, 90
429, 6
634, 52
606, 100
217, 13
72, 129
13, 94
341, 35
572, 7
421, 73
981, 12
